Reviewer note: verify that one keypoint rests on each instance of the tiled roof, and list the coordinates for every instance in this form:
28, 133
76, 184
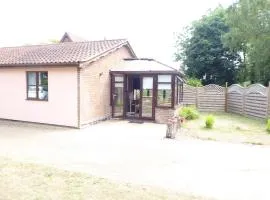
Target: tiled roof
62, 53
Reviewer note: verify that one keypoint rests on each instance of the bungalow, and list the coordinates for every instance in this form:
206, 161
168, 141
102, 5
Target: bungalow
74, 83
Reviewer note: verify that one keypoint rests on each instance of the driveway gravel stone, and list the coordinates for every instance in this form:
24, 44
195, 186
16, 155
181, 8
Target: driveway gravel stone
138, 153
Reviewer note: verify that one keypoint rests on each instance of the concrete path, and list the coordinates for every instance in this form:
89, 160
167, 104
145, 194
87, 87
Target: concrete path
138, 153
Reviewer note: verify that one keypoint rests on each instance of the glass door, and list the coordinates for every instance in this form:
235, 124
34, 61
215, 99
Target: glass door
117, 95
133, 97
147, 97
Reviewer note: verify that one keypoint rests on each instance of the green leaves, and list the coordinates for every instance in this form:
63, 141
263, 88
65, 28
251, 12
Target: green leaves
202, 52
194, 82
210, 48
249, 22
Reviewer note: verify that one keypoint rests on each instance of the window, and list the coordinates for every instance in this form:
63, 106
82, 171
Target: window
176, 91
37, 86
147, 96
180, 91
117, 95
164, 94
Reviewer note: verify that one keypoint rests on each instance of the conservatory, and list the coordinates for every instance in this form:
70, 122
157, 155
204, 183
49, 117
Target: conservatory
145, 89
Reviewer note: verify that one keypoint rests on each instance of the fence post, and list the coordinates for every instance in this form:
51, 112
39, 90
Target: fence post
244, 101
197, 98
226, 96
268, 101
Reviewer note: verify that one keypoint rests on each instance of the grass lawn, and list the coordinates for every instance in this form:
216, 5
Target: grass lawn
229, 127
36, 182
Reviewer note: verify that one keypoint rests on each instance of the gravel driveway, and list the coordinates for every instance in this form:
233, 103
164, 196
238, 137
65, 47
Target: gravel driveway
139, 153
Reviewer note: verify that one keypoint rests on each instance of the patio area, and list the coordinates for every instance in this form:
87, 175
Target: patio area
138, 153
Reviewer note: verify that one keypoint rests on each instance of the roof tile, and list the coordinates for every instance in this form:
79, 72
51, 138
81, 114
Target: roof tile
62, 53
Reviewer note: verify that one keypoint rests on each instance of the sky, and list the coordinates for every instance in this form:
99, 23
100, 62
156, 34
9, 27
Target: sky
149, 25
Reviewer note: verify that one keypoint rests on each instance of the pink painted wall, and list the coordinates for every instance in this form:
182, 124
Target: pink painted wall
60, 109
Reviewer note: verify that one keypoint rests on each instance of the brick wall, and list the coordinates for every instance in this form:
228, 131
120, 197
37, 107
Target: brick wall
95, 87
163, 114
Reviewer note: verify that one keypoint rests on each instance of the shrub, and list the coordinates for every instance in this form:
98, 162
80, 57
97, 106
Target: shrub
209, 121
194, 82
189, 112
268, 126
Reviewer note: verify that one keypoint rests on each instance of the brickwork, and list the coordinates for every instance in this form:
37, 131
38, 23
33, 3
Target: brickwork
95, 87
163, 114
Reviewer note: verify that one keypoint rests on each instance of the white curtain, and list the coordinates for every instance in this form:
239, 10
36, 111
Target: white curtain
31, 78
164, 86
165, 78
148, 83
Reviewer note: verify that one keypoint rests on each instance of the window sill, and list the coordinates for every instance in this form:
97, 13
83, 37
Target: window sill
29, 99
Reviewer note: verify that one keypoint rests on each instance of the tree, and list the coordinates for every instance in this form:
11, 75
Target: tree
194, 82
54, 41
249, 22
202, 52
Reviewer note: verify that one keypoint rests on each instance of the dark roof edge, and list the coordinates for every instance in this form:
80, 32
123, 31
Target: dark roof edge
130, 59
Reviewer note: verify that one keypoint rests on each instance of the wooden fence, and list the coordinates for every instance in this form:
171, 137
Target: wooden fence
251, 101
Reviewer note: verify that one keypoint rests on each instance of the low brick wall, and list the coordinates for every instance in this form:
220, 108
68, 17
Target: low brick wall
163, 114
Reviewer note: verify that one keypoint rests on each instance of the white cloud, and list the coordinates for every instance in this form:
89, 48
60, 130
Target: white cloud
149, 25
